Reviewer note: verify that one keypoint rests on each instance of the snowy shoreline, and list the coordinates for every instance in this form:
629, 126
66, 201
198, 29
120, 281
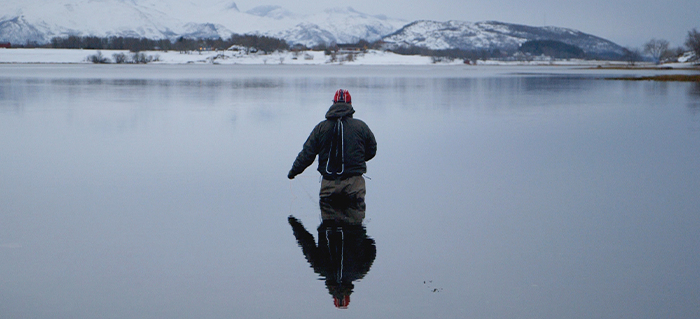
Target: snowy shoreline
371, 57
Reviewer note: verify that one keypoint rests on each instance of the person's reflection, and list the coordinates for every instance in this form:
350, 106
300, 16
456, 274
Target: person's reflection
344, 252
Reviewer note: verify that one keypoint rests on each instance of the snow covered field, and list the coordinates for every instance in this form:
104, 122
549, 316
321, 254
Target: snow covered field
215, 57
371, 57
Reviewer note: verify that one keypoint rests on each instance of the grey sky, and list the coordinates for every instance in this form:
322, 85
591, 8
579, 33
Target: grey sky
626, 22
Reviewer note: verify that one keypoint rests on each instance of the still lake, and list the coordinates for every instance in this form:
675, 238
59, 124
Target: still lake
160, 191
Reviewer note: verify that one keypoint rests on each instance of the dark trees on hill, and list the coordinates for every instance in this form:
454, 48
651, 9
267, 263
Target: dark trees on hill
470, 55
551, 48
262, 43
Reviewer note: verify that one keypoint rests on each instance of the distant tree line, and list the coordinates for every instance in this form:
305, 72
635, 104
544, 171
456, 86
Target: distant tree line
262, 43
467, 55
551, 48
121, 58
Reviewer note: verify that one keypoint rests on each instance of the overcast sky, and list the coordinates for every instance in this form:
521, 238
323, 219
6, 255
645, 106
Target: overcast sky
628, 23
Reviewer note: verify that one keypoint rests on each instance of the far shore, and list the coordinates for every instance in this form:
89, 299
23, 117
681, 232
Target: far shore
18, 56
663, 78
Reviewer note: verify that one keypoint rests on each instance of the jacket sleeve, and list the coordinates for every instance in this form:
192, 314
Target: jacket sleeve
308, 153
370, 145
305, 240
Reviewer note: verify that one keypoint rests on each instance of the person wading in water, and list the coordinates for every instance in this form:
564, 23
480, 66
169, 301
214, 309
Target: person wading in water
343, 145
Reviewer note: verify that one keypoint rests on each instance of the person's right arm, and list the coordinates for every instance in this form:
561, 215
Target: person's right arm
307, 155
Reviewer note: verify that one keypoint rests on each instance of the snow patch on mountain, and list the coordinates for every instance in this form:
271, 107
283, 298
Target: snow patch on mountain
307, 34
18, 30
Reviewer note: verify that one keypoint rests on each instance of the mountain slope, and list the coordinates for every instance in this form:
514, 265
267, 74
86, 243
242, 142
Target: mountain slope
339, 25
18, 30
491, 35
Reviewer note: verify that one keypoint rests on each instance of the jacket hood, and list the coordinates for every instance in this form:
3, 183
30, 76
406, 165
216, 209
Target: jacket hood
338, 110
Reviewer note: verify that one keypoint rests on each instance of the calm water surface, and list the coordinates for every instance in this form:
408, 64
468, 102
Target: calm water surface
161, 192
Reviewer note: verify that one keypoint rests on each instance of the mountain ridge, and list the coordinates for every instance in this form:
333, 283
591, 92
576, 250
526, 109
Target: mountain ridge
38, 21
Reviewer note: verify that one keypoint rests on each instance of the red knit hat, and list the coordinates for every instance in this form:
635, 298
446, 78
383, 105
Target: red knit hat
342, 96
341, 302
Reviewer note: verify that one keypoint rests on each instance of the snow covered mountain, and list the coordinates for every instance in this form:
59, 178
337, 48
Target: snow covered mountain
40, 20
23, 21
492, 35
340, 25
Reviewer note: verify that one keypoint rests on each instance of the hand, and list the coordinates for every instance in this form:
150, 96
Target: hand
293, 221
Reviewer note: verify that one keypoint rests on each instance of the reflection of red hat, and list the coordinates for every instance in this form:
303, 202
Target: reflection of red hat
341, 303
342, 96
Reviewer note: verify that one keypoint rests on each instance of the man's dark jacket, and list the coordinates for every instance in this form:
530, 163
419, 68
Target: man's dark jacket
358, 144
344, 252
